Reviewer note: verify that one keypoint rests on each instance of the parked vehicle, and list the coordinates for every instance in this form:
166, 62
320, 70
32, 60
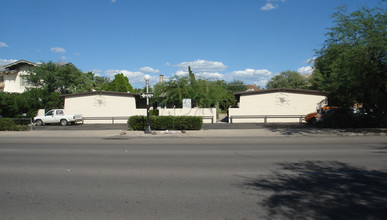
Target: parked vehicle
342, 117
321, 112
314, 117
311, 118
57, 116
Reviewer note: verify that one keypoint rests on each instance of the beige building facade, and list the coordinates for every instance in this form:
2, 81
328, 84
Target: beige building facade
94, 106
103, 107
11, 76
276, 104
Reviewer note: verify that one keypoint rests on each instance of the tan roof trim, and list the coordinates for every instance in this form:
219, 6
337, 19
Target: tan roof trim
19, 62
101, 93
298, 91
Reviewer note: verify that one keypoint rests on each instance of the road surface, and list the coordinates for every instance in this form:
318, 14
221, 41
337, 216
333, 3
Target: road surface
194, 178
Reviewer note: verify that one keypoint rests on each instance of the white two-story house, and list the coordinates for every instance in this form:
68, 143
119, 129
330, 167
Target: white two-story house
11, 76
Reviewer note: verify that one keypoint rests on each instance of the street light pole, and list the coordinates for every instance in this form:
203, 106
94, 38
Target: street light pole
148, 128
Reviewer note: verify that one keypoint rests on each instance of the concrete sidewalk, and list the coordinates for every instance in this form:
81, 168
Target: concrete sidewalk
261, 132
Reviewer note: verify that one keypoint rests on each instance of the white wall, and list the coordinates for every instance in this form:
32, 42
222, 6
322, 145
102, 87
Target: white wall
95, 105
41, 112
190, 112
13, 82
276, 103
103, 106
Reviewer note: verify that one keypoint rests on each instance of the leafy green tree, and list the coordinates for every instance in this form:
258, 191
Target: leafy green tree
288, 79
236, 86
225, 93
13, 105
352, 63
139, 90
120, 83
203, 93
54, 77
97, 82
171, 93
101, 82
142, 90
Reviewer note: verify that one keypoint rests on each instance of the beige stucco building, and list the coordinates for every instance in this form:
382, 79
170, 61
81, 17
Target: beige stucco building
100, 107
117, 106
253, 106
11, 76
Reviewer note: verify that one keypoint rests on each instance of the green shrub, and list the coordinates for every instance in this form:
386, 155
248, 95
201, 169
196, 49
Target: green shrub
166, 122
189, 122
137, 122
7, 124
154, 112
163, 122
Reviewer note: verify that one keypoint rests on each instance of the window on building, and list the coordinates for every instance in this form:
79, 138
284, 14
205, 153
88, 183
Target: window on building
24, 81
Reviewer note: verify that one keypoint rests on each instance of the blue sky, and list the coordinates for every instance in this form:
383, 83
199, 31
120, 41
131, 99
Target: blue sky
249, 40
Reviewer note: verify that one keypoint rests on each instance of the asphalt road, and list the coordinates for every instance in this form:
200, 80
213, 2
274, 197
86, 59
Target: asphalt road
194, 178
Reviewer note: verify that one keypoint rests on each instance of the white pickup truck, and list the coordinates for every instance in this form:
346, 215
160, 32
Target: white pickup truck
56, 116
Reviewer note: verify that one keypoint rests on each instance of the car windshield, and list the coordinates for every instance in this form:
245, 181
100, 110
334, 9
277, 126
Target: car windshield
50, 113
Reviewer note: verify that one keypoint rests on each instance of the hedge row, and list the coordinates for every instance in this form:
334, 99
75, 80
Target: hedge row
166, 122
7, 124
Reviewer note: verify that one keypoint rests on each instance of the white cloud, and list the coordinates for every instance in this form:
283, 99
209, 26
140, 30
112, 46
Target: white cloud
251, 73
211, 75
6, 61
268, 7
261, 83
136, 78
113, 1
147, 69
203, 66
2, 44
111, 73
58, 50
260, 77
305, 70
167, 64
181, 73
204, 75
202, 69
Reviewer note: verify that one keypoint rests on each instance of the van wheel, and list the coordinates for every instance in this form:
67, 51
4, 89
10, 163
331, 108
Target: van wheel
313, 121
64, 122
38, 122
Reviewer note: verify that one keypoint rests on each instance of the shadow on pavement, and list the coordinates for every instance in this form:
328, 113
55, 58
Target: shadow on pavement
306, 129
323, 190
282, 128
82, 127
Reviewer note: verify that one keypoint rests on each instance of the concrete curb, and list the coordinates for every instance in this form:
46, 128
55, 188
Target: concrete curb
262, 132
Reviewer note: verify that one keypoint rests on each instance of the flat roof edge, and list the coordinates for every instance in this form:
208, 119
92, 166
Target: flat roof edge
298, 91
